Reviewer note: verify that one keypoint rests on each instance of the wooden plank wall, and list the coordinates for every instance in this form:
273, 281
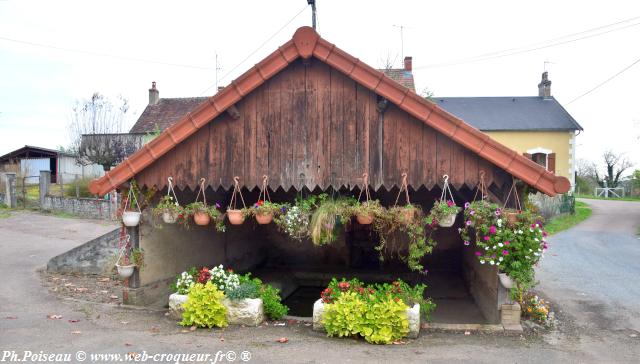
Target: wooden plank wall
310, 125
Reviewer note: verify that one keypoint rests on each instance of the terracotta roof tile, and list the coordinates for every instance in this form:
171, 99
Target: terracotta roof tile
307, 43
401, 76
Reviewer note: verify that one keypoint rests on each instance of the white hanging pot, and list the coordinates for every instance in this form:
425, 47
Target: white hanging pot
169, 217
447, 221
131, 218
505, 280
125, 271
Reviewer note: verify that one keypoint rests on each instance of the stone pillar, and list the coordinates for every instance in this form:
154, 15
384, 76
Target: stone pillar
10, 193
510, 316
45, 183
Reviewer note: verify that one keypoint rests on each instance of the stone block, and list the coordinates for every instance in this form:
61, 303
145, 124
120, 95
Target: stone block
248, 312
510, 314
413, 315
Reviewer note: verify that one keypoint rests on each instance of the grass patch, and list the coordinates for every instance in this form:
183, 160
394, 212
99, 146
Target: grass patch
591, 197
563, 222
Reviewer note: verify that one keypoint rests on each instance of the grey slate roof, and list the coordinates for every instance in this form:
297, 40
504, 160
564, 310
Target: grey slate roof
510, 113
165, 113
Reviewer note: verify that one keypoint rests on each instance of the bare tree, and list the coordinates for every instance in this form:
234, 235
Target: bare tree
95, 130
387, 62
615, 165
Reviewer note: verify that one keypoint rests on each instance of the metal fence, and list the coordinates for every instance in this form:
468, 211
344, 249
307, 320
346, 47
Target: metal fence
28, 191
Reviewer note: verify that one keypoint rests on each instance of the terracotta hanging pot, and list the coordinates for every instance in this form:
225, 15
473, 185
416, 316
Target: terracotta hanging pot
201, 218
236, 217
408, 214
264, 219
364, 219
512, 217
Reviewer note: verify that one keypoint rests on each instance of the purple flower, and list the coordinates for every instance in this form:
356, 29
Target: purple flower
545, 246
283, 209
256, 205
486, 238
466, 205
498, 212
478, 254
217, 205
505, 252
466, 242
472, 212
426, 271
468, 222
492, 229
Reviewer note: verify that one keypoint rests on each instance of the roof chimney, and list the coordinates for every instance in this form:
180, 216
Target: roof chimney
544, 87
408, 63
154, 94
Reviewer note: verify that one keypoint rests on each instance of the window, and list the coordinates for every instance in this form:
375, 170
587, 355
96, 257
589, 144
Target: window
540, 158
544, 157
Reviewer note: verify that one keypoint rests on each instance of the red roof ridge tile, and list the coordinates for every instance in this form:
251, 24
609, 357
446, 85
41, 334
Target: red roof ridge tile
306, 43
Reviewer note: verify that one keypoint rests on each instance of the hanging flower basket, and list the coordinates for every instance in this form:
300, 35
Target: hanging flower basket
447, 220
236, 217
505, 280
512, 216
168, 207
131, 218
364, 219
201, 217
169, 217
264, 219
125, 271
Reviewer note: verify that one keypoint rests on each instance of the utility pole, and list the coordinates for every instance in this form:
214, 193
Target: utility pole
313, 12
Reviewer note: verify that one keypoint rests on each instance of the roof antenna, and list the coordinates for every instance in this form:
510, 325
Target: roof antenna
313, 12
218, 68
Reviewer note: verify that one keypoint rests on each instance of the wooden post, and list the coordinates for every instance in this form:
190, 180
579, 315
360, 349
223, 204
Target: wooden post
45, 182
10, 190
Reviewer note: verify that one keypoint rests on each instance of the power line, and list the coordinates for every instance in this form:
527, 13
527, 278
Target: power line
607, 80
256, 50
98, 54
514, 51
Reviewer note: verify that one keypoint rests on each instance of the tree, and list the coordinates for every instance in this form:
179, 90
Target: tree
96, 128
615, 165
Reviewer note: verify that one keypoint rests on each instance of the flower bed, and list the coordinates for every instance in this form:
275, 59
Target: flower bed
380, 313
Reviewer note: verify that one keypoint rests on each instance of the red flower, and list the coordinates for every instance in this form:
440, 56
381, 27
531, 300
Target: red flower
260, 202
344, 286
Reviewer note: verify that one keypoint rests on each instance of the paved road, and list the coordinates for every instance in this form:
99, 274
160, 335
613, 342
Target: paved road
27, 240
593, 270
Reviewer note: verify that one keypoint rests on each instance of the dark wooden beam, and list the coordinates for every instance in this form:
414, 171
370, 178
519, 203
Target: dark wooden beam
382, 105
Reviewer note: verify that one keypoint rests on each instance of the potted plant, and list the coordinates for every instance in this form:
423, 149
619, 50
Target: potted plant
168, 209
366, 211
264, 211
237, 216
131, 217
200, 213
128, 261
444, 212
406, 214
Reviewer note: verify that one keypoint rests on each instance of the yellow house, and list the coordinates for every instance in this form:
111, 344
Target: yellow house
536, 126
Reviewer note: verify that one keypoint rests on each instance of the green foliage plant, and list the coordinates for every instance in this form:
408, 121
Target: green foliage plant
271, 300
204, 307
243, 291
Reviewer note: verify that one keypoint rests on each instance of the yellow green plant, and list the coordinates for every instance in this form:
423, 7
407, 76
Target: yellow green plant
204, 307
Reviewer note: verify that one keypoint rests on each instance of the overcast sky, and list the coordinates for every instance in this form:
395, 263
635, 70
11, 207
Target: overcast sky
53, 53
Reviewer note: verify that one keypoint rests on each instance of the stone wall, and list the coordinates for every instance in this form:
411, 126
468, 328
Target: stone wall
483, 284
2, 198
93, 257
91, 208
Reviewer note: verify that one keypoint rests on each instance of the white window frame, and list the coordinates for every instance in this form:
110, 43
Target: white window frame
541, 150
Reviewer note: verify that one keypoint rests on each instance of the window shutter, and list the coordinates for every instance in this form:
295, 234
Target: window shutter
551, 162
527, 155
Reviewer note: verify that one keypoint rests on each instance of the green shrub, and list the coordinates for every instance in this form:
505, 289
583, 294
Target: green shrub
83, 184
379, 322
272, 302
204, 307
243, 291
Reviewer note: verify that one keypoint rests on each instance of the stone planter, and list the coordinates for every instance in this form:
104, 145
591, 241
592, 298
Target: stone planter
248, 312
413, 314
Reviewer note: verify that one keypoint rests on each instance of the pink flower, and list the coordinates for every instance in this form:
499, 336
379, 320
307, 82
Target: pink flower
450, 203
468, 222
472, 212
466, 205
478, 254
507, 242
498, 212
466, 242
505, 252
544, 233
486, 238
492, 229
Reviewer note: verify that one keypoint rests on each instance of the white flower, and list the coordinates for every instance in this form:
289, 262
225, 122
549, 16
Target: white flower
492, 262
500, 259
536, 254
481, 261
500, 245
486, 248
536, 239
